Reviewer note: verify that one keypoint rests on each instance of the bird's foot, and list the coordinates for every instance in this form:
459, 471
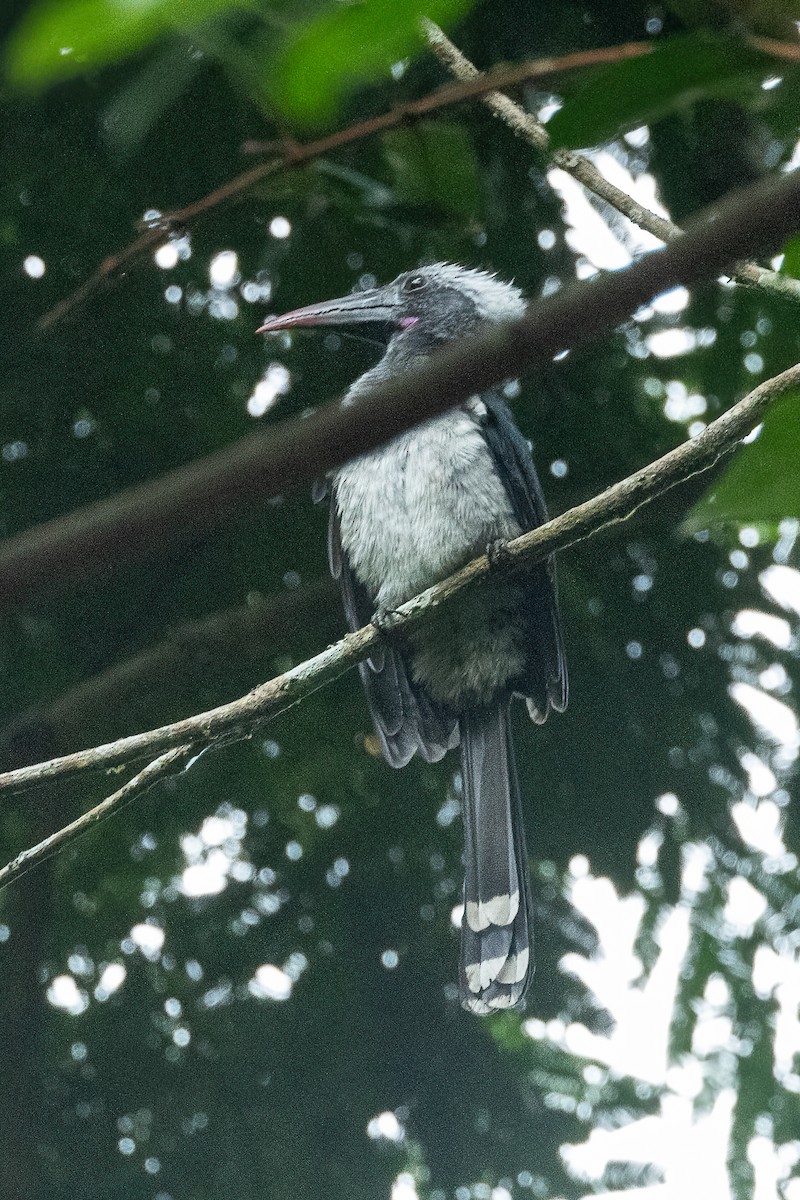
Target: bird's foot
384, 618
497, 553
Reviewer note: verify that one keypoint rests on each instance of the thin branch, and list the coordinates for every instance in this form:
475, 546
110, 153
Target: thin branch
293, 154
505, 75
238, 719
153, 773
526, 126
202, 494
471, 85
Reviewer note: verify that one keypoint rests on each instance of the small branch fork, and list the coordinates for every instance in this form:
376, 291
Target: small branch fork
175, 744
160, 768
531, 130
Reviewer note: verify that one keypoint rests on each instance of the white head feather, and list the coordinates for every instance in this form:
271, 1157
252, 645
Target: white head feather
494, 299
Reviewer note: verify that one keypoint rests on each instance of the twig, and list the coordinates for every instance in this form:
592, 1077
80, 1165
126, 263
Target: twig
470, 86
201, 495
526, 126
237, 720
503, 76
153, 773
293, 154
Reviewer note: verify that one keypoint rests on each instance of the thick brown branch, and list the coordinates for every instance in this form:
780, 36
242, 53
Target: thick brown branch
238, 719
201, 495
526, 126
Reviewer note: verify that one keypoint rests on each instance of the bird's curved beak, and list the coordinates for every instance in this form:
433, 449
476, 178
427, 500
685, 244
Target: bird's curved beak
377, 306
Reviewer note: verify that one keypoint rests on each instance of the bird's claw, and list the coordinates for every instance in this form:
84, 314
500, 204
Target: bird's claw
497, 553
384, 619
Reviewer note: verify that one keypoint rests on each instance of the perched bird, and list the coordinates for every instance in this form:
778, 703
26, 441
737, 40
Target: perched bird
405, 516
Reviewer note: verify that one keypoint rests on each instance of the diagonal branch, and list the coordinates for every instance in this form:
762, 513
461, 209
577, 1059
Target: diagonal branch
526, 126
161, 767
470, 85
201, 495
237, 720
776, 48
294, 154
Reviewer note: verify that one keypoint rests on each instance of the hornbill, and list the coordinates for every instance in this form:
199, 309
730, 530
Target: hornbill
403, 517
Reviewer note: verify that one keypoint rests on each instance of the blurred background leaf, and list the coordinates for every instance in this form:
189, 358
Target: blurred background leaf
435, 164
639, 91
791, 257
761, 486
774, 17
347, 44
60, 38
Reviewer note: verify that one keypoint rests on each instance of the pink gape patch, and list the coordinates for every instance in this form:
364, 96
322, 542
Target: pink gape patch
407, 322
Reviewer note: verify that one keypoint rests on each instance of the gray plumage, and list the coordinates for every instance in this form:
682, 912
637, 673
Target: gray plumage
405, 516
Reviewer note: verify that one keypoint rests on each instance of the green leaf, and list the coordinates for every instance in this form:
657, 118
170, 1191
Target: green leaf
57, 39
144, 99
350, 44
434, 163
791, 257
641, 90
762, 485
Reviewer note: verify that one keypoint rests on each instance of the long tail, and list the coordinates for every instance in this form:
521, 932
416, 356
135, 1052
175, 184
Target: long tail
496, 952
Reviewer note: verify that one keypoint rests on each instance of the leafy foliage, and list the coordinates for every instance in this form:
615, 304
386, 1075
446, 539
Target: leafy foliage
760, 487
640, 91
56, 40
349, 44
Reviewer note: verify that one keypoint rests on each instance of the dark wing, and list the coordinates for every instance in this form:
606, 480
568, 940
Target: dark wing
546, 681
406, 720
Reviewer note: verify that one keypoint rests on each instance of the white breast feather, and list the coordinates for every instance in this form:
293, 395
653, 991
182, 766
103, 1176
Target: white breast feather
416, 510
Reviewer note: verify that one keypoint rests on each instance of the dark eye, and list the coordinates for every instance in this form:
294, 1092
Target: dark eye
414, 283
